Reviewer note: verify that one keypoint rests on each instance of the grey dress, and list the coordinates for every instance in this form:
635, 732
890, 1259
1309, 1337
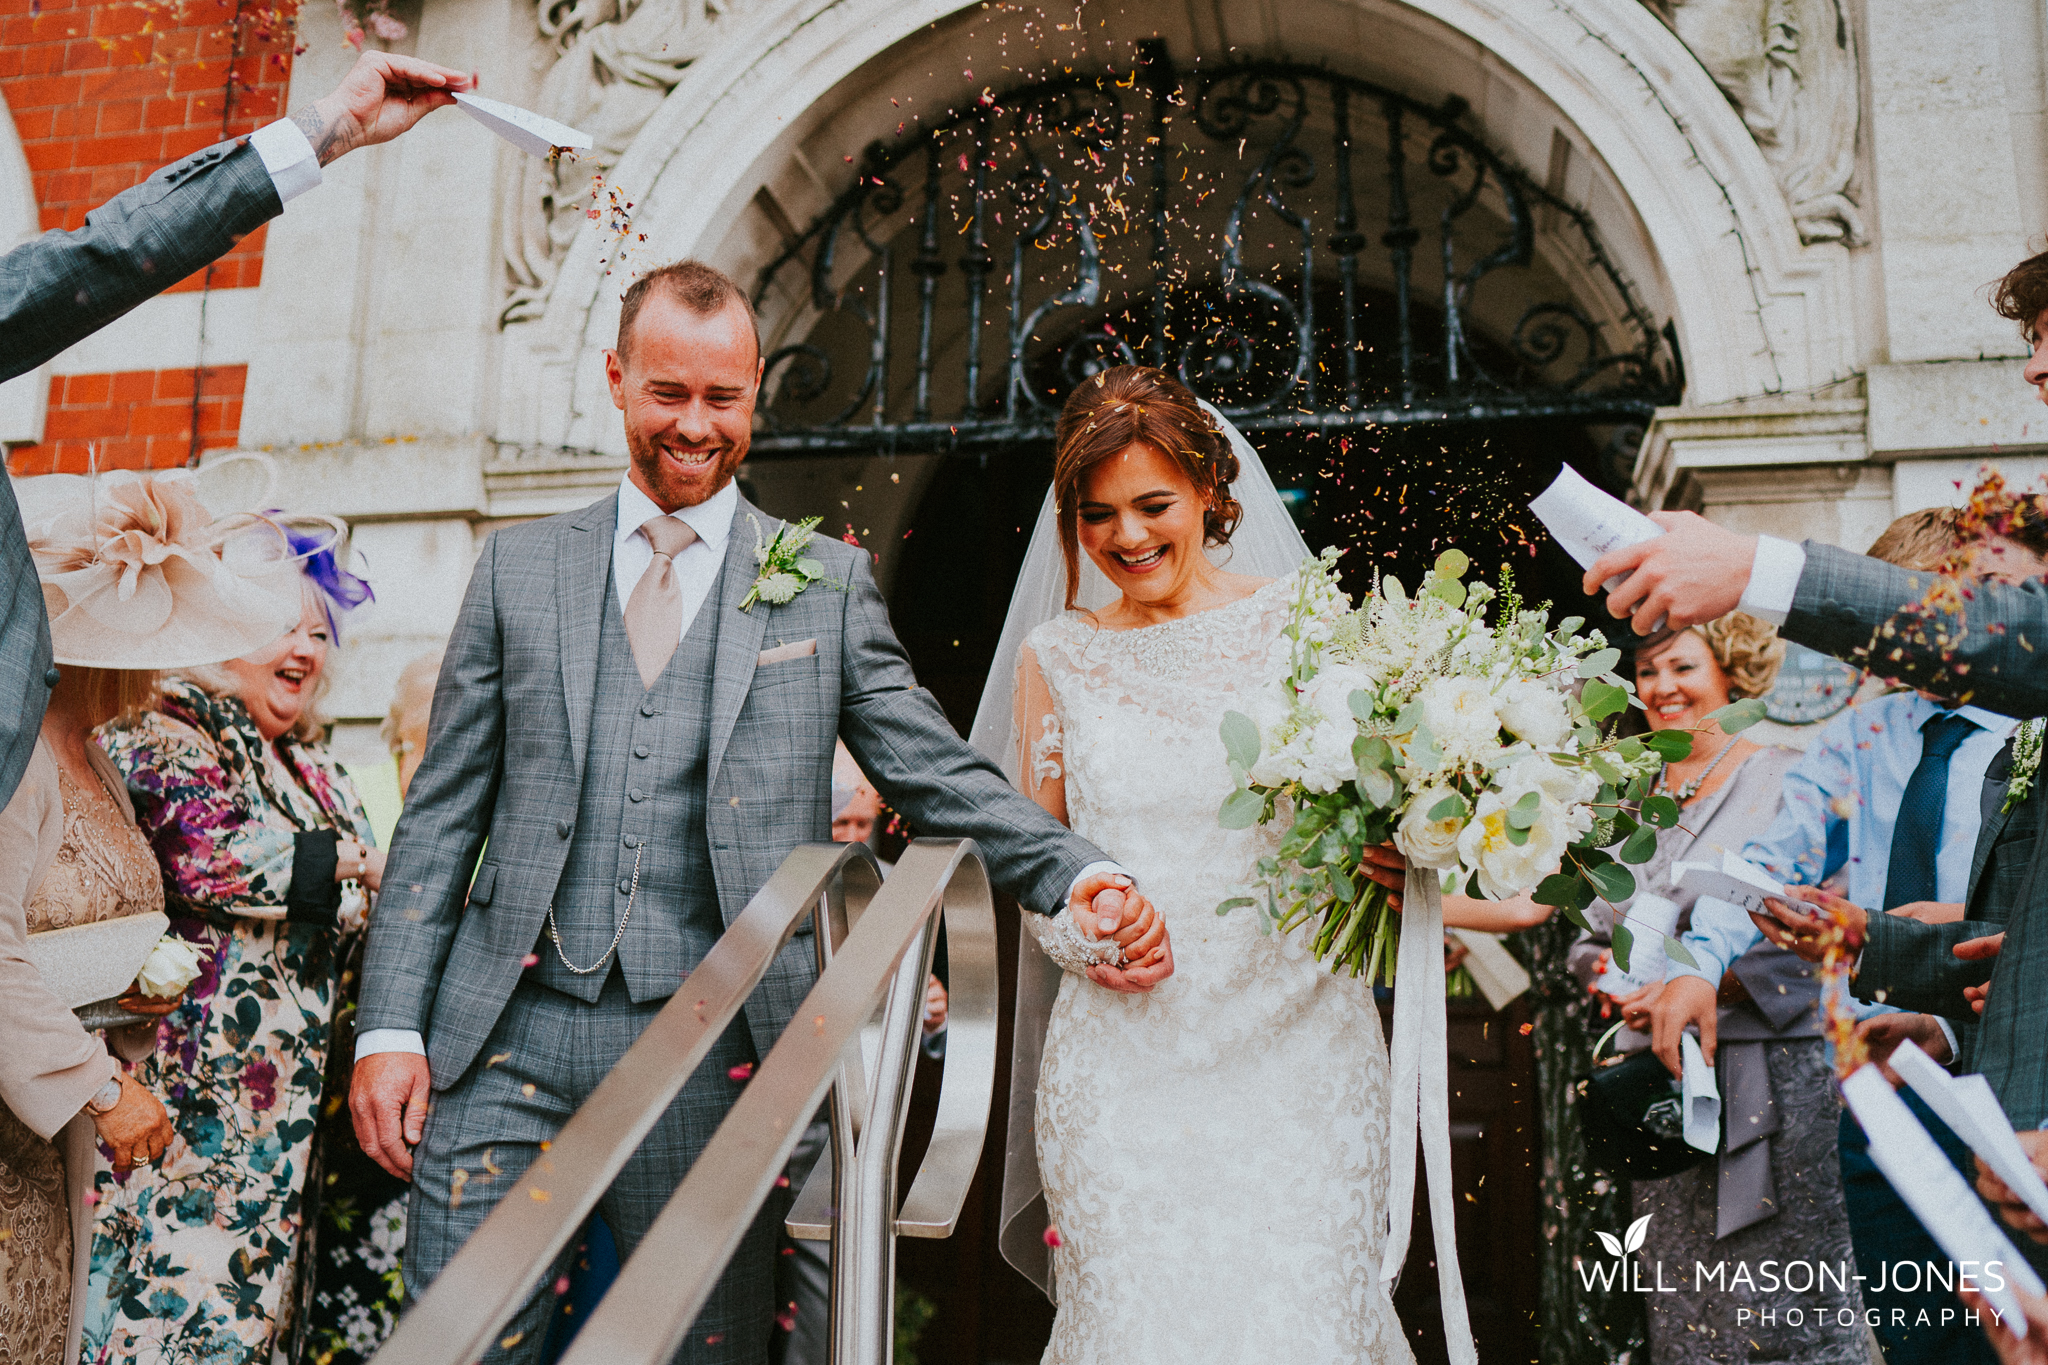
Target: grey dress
1777, 1196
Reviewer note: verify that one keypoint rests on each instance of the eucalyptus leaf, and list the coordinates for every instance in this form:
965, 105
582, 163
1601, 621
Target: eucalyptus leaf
1517, 835
1640, 847
1602, 699
1629, 747
810, 568
1624, 943
1738, 715
1241, 809
1360, 702
1370, 751
1609, 771
1660, 811
1578, 917
1448, 590
1598, 662
1613, 881
1670, 745
1452, 807
1453, 563
1675, 949
1570, 625
1235, 903
1523, 813
1377, 786
1564, 889
1240, 738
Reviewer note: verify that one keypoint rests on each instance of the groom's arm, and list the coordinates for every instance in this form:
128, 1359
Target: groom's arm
441, 832
902, 740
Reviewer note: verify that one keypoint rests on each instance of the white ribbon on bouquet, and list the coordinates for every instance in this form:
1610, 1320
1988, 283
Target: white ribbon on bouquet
1421, 1094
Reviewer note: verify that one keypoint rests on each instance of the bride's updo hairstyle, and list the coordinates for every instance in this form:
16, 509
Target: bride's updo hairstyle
1132, 405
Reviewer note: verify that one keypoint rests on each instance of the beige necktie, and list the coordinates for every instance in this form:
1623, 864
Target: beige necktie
654, 613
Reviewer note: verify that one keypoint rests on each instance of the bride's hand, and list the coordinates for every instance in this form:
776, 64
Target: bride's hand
1386, 865
1141, 932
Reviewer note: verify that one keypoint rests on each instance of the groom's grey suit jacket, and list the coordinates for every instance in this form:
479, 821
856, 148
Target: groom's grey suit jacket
508, 749
1988, 649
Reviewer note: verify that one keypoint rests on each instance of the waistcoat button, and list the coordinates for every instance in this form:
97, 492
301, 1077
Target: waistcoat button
641, 751
625, 886
631, 841
647, 709
636, 795
563, 828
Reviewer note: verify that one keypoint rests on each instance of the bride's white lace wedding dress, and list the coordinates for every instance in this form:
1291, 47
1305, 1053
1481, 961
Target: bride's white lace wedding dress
1213, 1153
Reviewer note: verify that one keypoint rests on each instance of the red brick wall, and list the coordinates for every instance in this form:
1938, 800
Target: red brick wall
103, 92
142, 419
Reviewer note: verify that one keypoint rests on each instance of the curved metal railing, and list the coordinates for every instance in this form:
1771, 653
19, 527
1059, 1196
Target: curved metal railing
881, 962
866, 936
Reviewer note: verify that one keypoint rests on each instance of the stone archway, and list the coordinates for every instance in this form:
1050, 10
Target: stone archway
785, 95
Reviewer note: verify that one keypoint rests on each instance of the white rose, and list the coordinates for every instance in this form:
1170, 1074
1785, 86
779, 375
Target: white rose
1504, 867
171, 966
1429, 843
1459, 713
1328, 763
1534, 712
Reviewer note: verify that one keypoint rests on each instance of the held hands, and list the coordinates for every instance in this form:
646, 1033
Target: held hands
387, 1098
137, 1130
1810, 935
2011, 1207
1108, 906
383, 95
1882, 1034
1684, 1001
1694, 572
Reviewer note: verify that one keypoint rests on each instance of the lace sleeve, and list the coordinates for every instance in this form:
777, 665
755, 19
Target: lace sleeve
1064, 943
1040, 745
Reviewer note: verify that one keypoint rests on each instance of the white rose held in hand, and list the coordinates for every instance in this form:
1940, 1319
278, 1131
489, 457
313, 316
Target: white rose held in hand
170, 967
1428, 842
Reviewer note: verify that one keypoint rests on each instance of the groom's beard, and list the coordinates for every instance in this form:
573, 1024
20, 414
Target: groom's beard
670, 481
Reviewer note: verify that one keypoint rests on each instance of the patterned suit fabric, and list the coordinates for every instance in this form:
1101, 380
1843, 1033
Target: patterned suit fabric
512, 756
1985, 649
67, 285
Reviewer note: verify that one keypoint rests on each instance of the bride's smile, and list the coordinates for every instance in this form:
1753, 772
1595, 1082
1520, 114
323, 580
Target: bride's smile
1143, 522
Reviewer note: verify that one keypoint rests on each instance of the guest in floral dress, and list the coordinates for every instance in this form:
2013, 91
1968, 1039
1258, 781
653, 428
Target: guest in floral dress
267, 860
71, 857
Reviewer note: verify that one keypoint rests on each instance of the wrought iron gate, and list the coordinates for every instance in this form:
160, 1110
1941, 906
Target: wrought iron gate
1206, 221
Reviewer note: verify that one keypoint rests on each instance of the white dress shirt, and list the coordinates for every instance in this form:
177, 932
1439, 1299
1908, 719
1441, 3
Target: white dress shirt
695, 566
293, 164
1773, 579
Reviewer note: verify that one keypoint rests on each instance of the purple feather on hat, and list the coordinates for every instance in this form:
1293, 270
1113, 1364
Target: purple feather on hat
340, 590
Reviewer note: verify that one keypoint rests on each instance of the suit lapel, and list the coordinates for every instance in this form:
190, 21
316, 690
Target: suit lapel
739, 632
583, 592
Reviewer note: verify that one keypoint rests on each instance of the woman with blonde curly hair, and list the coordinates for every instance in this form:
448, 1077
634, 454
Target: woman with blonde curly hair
1774, 1192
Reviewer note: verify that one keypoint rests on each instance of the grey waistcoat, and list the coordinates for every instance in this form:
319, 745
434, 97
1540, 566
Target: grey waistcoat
643, 795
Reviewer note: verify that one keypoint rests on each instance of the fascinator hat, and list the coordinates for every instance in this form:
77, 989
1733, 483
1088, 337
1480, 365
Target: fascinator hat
138, 573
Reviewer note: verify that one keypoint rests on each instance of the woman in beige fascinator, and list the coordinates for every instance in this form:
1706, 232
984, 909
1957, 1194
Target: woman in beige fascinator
137, 576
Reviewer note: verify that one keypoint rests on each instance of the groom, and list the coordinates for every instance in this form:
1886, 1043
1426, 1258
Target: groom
641, 754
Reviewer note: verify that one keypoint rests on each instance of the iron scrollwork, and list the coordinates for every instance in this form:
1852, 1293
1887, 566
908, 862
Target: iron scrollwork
1209, 222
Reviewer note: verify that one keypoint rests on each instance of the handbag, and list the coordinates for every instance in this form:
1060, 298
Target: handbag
84, 964
1633, 1116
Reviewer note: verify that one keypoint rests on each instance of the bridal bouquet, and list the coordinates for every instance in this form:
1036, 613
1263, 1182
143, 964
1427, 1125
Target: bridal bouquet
1475, 744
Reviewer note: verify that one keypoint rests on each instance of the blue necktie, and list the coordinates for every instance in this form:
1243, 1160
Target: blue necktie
1916, 837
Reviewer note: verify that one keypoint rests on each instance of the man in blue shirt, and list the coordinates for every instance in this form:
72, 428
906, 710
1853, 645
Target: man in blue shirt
1885, 805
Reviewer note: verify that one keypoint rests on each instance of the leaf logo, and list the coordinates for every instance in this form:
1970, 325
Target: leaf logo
1632, 1240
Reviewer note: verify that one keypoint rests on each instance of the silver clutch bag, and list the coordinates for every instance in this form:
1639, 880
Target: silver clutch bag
86, 963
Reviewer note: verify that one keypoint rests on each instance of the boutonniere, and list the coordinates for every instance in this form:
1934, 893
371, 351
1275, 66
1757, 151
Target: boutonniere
785, 569
2026, 761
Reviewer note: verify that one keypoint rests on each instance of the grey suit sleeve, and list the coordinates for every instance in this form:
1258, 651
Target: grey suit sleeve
64, 286
24, 647
902, 740
447, 816
1989, 648
1908, 964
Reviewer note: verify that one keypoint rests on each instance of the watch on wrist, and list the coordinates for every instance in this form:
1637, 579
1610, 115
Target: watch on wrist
104, 1098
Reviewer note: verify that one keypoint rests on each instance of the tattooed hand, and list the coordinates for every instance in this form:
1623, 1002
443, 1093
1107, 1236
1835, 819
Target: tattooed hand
382, 96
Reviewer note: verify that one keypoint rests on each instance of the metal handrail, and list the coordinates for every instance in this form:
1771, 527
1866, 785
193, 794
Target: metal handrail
661, 1289
487, 1280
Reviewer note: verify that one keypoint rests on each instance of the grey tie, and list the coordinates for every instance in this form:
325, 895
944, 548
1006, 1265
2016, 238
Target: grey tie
654, 613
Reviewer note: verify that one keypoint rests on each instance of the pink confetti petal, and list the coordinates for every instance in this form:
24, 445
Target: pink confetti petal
744, 1071
1052, 1237
532, 960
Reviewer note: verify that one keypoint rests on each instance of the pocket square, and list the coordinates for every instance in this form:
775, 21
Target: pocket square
802, 649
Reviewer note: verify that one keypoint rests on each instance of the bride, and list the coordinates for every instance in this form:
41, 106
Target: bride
1205, 1175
